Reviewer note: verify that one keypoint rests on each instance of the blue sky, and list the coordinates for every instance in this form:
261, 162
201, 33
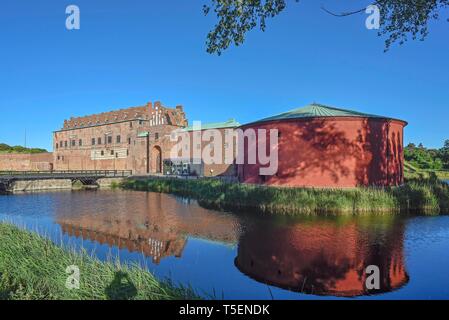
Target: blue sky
131, 52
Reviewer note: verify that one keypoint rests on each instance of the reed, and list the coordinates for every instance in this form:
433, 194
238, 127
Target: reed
422, 196
32, 268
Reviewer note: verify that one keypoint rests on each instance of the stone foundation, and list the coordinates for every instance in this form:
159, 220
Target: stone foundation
39, 185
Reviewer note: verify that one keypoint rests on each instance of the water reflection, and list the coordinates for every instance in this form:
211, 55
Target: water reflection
241, 254
325, 256
154, 224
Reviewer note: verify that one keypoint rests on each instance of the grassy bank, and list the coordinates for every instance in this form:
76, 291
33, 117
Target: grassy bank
32, 267
428, 196
412, 172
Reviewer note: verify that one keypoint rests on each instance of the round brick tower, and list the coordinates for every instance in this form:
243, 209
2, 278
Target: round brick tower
321, 146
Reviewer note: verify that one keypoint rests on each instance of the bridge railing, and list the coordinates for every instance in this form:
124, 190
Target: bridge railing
69, 173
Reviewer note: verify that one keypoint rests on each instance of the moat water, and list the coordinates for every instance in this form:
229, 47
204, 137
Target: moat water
242, 256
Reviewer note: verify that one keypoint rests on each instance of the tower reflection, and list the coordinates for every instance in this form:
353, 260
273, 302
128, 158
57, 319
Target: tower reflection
325, 257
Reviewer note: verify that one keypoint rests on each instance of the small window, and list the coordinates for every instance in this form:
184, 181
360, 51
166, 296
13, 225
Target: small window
109, 139
102, 152
112, 152
140, 122
99, 140
129, 140
93, 141
57, 146
59, 158
131, 124
73, 143
65, 144
61, 144
156, 135
119, 139
81, 143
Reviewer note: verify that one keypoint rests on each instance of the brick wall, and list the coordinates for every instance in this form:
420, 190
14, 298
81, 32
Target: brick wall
113, 143
26, 162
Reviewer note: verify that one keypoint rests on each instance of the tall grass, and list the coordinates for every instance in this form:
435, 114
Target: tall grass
32, 267
416, 196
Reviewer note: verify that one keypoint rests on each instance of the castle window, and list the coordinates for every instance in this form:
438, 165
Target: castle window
112, 152
73, 143
61, 144
156, 136
129, 140
65, 144
57, 145
102, 152
99, 140
109, 139
59, 158
93, 141
131, 124
119, 139
81, 143
140, 122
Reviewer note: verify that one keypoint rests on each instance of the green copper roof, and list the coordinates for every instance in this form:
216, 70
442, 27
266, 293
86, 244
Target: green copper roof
319, 111
143, 134
231, 123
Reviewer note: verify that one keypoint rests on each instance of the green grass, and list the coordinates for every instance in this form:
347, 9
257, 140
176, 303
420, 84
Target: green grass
32, 268
423, 196
412, 172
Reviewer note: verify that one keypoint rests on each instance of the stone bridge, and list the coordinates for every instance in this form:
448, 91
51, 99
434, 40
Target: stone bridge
13, 181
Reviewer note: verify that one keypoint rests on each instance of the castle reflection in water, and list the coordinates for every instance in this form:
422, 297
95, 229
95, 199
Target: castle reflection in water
313, 256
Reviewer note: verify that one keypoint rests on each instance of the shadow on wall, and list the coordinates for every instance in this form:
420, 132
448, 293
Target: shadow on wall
337, 152
323, 147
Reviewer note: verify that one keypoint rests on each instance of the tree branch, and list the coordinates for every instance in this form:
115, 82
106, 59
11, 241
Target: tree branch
350, 13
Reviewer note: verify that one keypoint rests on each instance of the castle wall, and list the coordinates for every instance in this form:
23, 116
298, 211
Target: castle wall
26, 162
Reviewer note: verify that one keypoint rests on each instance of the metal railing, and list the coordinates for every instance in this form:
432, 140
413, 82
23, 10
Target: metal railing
67, 173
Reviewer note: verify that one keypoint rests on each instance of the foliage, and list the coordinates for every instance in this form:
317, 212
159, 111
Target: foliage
427, 159
428, 196
400, 19
4, 148
33, 268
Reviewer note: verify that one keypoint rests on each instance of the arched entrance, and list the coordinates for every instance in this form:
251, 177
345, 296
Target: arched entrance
156, 160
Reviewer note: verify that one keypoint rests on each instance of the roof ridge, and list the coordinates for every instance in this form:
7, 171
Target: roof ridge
318, 110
